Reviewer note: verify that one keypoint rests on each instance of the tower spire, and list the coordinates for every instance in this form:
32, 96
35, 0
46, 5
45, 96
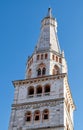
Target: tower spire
48, 39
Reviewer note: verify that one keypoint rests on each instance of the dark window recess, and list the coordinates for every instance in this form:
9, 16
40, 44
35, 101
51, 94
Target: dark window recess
28, 119
39, 90
31, 91
39, 72
47, 89
46, 56
37, 57
43, 71
45, 117
36, 118
42, 57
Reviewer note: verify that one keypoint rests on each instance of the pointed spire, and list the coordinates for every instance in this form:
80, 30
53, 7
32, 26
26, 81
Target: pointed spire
48, 37
49, 12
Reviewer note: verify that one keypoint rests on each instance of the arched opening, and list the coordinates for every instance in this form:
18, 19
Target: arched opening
56, 58
29, 73
38, 56
47, 89
60, 60
39, 91
39, 72
37, 115
56, 70
46, 114
31, 91
44, 71
46, 56
41, 56
28, 116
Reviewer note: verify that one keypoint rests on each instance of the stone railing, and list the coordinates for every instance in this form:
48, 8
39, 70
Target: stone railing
39, 95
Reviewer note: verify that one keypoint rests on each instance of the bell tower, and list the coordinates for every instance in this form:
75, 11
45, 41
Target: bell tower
43, 99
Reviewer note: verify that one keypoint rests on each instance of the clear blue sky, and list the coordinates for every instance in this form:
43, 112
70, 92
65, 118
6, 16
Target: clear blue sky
19, 31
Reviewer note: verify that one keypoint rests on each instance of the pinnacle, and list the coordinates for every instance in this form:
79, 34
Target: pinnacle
49, 12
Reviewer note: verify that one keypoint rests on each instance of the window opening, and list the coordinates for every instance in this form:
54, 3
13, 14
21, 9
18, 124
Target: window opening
52, 57
56, 58
60, 60
45, 114
56, 70
28, 116
47, 90
29, 73
31, 91
42, 57
37, 116
39, 72
37, 57
46, 56
39, 91
43, 71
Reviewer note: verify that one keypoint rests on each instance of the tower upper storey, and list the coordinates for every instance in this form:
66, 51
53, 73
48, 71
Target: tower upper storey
47, 58
48, 36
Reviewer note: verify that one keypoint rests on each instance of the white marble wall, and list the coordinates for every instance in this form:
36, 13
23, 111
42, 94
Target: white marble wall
55, 117
56, 91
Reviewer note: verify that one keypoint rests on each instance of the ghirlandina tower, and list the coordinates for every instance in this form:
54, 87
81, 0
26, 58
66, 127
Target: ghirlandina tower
43, 100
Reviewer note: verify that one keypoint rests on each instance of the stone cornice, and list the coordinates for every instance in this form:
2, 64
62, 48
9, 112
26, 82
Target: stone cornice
47, 50
37, 79
47, 127
38, 104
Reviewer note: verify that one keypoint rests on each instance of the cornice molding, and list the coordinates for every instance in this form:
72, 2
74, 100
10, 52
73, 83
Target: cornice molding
38, 104
37, 79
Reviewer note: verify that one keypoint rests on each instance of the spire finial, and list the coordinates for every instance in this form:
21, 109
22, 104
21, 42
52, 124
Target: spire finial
49, 12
